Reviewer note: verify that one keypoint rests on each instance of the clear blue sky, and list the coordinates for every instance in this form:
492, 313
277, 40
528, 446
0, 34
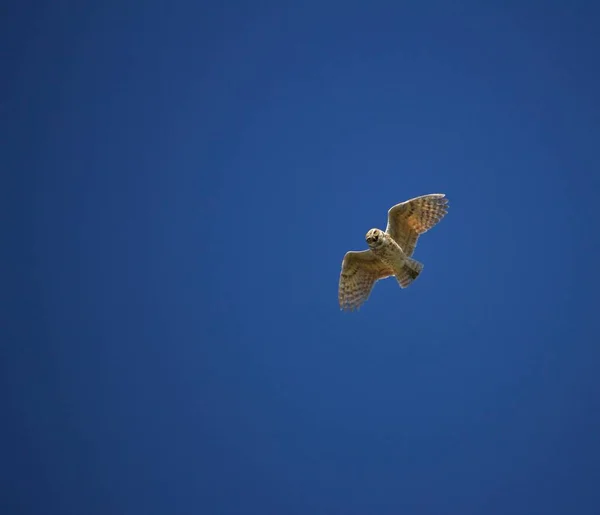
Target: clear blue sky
183, 181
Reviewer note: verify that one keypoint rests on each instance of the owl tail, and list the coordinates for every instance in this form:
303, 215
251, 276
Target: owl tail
409, 272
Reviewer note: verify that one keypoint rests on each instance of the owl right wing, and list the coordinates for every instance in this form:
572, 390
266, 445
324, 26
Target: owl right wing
360, 271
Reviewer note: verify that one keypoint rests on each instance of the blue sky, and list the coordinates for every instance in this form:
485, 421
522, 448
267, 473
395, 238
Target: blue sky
187, 178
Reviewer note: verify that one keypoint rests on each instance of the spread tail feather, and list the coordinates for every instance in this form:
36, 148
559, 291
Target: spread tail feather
409, 272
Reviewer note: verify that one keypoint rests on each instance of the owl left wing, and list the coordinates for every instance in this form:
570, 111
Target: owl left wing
360, 271
408, 220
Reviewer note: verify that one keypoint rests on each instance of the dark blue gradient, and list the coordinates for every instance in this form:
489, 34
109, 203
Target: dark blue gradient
180, 183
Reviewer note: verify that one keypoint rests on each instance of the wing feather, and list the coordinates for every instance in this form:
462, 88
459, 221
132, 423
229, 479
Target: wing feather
360, 271
408, 220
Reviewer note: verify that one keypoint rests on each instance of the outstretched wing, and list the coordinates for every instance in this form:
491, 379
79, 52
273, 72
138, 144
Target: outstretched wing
407, 220
359, 272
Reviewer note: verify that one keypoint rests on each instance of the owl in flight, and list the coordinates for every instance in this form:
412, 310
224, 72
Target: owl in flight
390, 251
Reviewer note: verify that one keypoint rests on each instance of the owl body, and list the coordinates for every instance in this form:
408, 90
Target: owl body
390, 251
392, 257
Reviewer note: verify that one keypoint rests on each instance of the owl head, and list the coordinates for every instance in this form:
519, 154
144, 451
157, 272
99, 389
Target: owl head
375, 238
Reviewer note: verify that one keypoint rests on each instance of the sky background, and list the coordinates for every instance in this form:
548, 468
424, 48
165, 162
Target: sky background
181, 181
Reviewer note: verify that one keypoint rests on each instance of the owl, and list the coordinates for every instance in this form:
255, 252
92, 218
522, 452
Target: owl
390, 251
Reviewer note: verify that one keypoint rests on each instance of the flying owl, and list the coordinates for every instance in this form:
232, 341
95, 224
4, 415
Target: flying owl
390, 251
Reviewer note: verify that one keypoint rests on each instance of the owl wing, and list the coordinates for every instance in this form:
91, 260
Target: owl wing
360, 271
407, 220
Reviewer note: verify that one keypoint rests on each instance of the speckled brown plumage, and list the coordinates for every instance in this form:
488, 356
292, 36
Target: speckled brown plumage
389, 252
360, 271
408, 220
